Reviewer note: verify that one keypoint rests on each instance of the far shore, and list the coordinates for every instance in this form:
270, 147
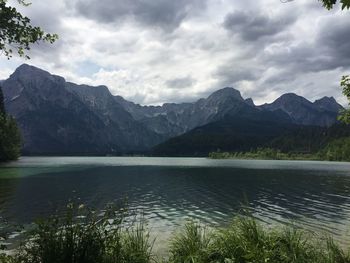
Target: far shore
211, 156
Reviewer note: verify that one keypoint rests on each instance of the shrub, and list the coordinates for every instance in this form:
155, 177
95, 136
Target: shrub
84, 236
81, 235
246, 241
192, 245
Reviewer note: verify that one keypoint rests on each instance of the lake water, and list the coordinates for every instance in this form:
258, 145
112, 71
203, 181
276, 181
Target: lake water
170, 191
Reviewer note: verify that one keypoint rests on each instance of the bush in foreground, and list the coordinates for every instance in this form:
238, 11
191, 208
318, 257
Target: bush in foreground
246, 241
82, 235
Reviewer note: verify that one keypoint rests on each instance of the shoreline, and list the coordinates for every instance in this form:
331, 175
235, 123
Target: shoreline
272, 155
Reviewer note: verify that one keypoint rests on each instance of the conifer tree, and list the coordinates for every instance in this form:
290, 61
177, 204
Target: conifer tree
2, 104
10, 138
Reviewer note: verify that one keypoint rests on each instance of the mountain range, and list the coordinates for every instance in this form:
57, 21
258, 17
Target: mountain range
60, 117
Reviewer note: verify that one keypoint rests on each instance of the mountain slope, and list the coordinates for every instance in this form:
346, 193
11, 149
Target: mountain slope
134, 134
306, 139
53, 118
241, 129
59, 117
322, 112
172, 119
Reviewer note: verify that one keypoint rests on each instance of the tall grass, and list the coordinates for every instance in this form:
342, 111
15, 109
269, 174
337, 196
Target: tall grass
246, 241
81, 235
84, 236
136, 245
191, 245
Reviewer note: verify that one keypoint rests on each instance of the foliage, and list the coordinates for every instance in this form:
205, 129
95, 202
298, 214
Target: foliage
2, 103
297, 142
84, 236
303, 143
245, 240
329, 4
10, 138
232, 133
337, 150
345, 84
190, 246
264, 154
136, 246
17, 33
7, 259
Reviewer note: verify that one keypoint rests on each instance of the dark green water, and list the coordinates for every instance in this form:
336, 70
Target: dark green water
170, 191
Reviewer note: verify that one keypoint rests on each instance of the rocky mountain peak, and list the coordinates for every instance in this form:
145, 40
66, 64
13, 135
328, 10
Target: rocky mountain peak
320, 113
224, 93
291, 98
250, 102
90, 91
52, 113
328, 103
27, 72
33, 81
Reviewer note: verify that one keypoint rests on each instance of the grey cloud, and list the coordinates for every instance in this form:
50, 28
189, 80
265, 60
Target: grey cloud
329, 50
229, 74
164, 14
263, 42
48, 15
252, 26
295, 61
282, 77
179, 83
334, 36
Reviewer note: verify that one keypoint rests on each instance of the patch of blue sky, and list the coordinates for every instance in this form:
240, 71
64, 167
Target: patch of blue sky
87, 68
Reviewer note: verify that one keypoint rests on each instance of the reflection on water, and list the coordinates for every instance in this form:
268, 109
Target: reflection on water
170, 191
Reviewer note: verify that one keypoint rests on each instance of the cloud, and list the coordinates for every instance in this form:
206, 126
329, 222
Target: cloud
163, 14
230, 74
251, 26
328, 50
156, 51
334, 40
180, 83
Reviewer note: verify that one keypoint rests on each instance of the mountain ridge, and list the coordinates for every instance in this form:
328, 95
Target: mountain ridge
52, 113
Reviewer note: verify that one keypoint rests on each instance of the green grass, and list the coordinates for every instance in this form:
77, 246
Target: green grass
266, 154
81, 235
85, 236
191, 245
335, 150
246, 241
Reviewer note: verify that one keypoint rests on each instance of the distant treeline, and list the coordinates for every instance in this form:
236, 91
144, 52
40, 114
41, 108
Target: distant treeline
261, 139
336, 150
264, 154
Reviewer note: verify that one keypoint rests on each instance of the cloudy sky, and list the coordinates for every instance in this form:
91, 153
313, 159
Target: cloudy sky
155, 51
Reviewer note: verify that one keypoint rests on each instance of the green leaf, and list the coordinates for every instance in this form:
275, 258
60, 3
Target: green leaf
17, 32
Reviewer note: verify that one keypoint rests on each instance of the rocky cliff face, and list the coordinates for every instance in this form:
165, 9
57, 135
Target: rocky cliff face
173, 119
328, 104
59, 117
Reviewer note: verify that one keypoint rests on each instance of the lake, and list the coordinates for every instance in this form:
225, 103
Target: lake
170, 191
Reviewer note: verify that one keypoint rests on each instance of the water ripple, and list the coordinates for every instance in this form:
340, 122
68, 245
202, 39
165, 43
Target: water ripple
170, 191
